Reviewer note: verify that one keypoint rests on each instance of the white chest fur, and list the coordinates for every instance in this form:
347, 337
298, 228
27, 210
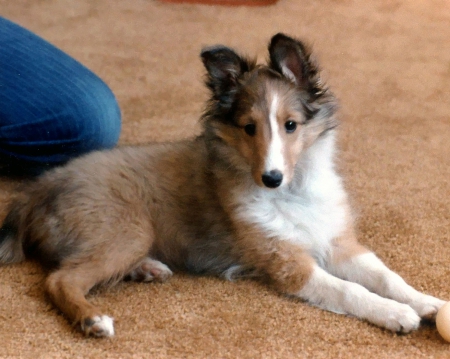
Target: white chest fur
310, 212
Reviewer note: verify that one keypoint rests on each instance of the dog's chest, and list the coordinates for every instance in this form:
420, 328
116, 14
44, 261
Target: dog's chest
311, 222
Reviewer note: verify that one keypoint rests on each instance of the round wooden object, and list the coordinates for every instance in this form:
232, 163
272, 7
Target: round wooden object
443, 321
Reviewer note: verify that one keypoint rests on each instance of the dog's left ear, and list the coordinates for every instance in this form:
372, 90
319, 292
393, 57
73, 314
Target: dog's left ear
224, 68
292, 59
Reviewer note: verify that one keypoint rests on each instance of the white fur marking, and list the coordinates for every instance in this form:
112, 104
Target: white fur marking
339, 296
369, 271
103, 327
275, 159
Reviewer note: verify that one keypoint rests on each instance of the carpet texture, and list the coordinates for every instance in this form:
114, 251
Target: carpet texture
388, 62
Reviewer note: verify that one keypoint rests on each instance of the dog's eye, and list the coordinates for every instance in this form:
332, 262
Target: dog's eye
290, 126
250, 129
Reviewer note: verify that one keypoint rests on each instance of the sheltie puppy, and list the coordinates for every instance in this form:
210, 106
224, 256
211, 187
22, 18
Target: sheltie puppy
256, 194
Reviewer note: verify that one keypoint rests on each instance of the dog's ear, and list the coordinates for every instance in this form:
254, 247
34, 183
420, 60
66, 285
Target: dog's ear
224, 68
292, 59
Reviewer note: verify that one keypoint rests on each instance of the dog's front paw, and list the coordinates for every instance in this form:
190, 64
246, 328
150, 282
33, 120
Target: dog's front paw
397, 317
98, 326
426, 306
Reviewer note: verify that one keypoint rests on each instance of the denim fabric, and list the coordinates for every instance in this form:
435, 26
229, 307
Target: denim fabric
52, 108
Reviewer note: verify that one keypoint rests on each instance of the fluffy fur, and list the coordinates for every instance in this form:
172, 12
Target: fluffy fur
256, 194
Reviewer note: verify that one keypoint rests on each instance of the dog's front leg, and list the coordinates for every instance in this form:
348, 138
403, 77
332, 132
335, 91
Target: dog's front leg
294, 272
351, 261
337, 295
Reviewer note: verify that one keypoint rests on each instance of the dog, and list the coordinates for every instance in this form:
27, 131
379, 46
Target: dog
256, 194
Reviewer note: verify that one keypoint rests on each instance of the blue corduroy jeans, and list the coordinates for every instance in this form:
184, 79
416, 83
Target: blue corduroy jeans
52, 108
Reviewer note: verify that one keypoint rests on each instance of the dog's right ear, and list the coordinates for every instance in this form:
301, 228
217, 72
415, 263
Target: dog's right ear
224, 68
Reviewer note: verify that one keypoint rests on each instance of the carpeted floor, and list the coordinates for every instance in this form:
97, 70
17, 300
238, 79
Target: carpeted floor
389, 63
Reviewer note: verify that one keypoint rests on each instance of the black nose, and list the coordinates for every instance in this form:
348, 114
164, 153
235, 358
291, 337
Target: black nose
272, 179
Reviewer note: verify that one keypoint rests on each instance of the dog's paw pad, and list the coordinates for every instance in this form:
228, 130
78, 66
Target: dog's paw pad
98, 326
148, 270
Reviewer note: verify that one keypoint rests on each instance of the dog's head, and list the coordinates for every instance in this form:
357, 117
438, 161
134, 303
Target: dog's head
269, 114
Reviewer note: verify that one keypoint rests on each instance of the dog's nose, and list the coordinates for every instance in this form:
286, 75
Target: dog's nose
272, 179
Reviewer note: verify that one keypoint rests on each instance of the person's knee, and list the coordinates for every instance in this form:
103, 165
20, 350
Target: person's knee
98, 118
80, 120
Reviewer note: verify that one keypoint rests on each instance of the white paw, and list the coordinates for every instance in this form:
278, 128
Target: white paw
426, 306
399, 317
98, 326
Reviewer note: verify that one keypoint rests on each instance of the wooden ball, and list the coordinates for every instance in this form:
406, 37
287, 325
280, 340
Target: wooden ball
443, 321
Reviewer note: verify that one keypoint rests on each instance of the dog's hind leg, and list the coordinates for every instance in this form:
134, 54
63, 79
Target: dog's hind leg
148, 270
67, 288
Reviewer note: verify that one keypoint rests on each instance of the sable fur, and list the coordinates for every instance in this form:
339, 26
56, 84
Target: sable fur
202, 205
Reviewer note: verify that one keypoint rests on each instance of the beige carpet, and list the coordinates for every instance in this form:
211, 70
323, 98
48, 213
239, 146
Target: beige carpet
389, 63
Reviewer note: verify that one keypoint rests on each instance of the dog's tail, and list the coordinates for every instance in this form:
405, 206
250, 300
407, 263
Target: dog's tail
11, 237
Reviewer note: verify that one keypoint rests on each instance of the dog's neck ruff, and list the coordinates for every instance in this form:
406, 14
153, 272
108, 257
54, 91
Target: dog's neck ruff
309, 211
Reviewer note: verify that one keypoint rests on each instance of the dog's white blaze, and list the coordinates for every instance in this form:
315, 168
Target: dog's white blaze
274, 159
